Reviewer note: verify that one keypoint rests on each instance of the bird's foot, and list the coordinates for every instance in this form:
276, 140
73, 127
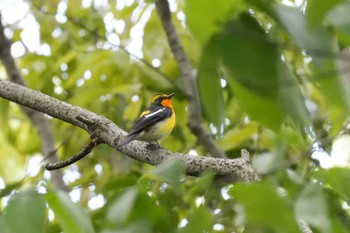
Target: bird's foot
154, 146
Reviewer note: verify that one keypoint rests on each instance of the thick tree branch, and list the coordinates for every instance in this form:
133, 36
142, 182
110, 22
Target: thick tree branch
189, 82
107, 132
38, 119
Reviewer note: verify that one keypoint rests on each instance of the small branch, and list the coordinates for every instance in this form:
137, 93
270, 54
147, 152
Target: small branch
64, 163
107, 132
189, 82
245, 155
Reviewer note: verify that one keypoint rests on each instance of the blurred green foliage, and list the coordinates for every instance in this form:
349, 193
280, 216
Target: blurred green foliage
269, 82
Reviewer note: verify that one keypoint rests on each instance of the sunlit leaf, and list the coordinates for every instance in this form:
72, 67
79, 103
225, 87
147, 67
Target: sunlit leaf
133, 110
12, 162
155, 80
236, 136
337, 178
66, 58
4, 111
205, 18
100, 59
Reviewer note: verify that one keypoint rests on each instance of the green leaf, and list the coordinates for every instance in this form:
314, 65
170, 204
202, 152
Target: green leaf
140, 226
209, 86
4, 114
322, 51
101, 59
311, 206
236, 136
148, 209
205, 18
122, 207
66, 58
170, 171
317, 9
263, 85
200, 220
294, 22
337, 178
268, 162
339, 18
153, 79
264, 207
200, 187
71, 217
25, 212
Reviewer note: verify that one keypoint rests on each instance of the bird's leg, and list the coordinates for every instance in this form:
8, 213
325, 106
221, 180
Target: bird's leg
154, 145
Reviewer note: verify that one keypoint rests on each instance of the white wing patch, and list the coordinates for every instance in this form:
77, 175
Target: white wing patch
155, 113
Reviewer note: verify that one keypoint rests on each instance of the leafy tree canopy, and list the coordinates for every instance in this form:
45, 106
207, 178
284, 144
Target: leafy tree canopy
271, 76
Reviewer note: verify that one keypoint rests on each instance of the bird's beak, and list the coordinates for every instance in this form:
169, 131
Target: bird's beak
171, 95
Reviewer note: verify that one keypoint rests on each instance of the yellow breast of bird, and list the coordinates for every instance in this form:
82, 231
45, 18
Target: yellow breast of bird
158, 130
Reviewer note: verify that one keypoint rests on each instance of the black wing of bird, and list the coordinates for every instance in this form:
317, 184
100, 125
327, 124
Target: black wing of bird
155, 115
151, 116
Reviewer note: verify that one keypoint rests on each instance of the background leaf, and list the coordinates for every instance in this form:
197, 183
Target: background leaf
263, 196
340, 20
70, 216
122, 207
337, 179
259, 64
25, 212
206, 18
311, 207
316, 10
263, 85
330, 83
209, 87
199, 220
170, 171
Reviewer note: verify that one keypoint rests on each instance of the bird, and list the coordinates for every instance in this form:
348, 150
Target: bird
154, 123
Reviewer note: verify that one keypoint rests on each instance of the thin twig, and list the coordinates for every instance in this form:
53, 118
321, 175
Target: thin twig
82, 153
